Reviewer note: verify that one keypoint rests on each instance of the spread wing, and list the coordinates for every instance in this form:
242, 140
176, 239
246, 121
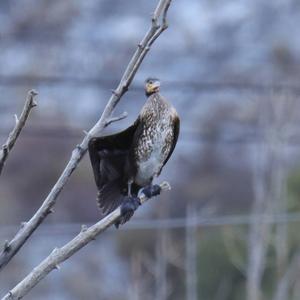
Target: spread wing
108, 155
176, 129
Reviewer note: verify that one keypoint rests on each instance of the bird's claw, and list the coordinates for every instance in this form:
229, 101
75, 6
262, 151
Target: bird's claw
151, 190
128, 207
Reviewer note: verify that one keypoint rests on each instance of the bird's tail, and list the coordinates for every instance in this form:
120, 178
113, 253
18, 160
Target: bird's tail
110, 197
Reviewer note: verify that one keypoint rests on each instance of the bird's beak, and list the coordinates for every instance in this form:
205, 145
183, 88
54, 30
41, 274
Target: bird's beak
152, 87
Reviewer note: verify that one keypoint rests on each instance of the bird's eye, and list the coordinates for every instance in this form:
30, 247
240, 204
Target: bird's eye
150, 81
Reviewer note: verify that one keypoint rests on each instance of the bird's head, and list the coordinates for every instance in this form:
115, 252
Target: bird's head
152, 85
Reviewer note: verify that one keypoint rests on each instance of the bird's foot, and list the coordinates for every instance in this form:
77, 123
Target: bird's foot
151, 190
128, 207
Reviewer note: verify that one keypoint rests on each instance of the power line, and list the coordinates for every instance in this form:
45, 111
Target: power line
24, 80
187, 135
170, 223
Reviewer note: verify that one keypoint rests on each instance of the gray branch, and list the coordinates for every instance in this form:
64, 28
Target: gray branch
259, 231
20, 123
158, 25
116, 119
289, 278
59, 255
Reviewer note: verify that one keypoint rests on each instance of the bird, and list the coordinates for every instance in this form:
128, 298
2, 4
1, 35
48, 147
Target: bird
127, 162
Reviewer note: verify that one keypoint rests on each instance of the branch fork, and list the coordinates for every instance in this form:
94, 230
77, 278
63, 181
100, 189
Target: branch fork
20, 123
116, 119
59, 255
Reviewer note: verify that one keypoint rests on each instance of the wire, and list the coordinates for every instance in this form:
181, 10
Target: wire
21, 80
170, 223
65, 134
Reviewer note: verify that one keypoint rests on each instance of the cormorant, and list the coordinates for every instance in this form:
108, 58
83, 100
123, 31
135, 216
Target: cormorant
127, 161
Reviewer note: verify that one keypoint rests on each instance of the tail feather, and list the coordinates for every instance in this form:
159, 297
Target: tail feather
110, 197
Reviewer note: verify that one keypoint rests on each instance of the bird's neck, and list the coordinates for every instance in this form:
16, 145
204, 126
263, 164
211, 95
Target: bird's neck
155, 105
148, 94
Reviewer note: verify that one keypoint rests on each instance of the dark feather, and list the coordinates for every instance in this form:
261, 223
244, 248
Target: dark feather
108, 157
109, 197
176, 127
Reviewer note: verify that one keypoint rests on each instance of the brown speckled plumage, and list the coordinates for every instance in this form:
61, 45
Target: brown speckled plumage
135, 155
156, 138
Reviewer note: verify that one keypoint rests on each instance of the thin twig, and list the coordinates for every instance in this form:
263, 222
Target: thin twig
26, 231
59, 255
20, 123
115, 119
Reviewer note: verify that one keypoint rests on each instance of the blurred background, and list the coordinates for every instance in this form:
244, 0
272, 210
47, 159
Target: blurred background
228, 230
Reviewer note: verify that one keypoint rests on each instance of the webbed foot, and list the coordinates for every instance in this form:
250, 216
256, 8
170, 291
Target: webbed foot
128, 207
151, 190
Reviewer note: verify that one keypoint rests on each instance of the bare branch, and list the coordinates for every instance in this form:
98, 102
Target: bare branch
26, 231
59, 255
288, 279
259, 231
20, 123
115, 119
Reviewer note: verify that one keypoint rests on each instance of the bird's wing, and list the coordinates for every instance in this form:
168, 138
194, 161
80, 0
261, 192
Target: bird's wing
176, 129
108, 156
